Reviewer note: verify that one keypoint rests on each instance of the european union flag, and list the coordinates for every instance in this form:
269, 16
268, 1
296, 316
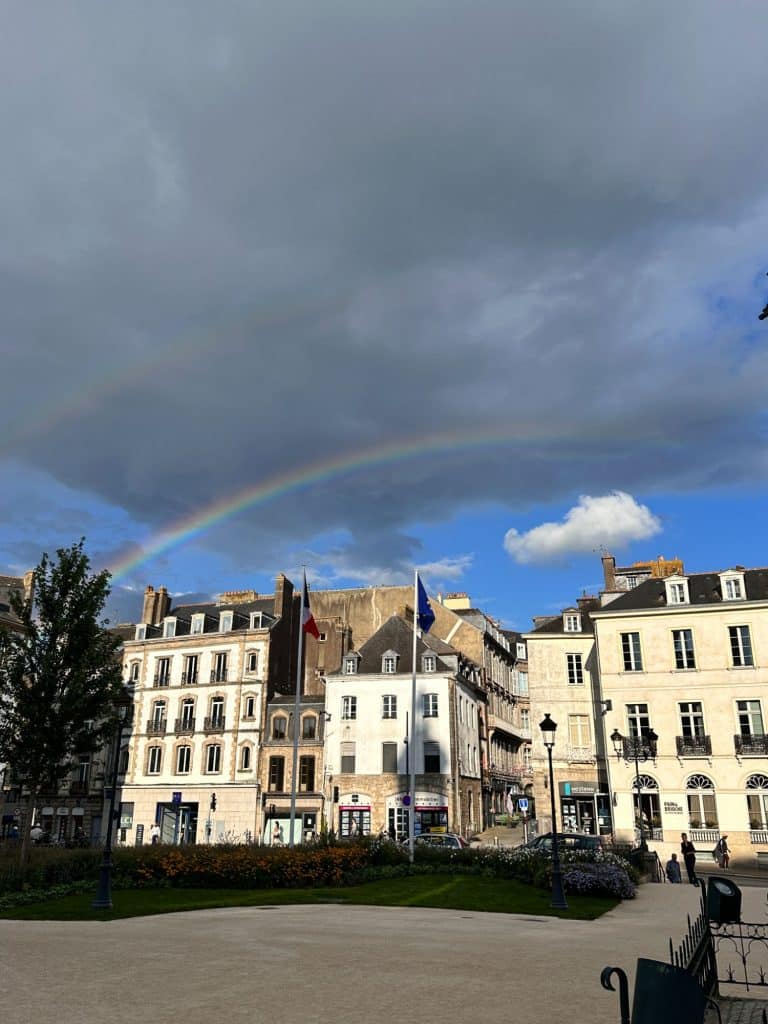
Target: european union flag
424, 614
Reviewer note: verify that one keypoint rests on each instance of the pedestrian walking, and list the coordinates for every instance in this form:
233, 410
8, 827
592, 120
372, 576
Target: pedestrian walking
688, 851
154, 834
673, 869
722, 852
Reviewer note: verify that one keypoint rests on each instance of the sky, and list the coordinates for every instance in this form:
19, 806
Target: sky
470, 286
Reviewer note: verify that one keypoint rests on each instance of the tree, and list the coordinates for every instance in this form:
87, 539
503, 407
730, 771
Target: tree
59, 675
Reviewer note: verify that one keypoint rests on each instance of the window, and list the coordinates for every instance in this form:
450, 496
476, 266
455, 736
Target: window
276, 774
245, 758
575, 672
741, 646
256, 620
213, 759
169, 628
252, 662
677, 591
638, 720
134, 672
572, 622
306, 774
525, 718
630, 650
389, 664
350, 665
163, 672
158, 713
389, 757
348, 758
733, 590
188, 714
389, 706
527, 759
309, 727
702, 808
219, 673
225, 622
141, 632
521, 652
757, 802
249, 707
154, 760
217, 711
683, 643
321, 638
123, 765
429, 663
83, 769
692, 719
198, 624
431, 757
279, 727
429, 702
348, 709
750, 718
189, 675
578, 731
183, 760
522, 684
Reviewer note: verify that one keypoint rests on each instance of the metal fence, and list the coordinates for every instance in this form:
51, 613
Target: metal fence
696, 953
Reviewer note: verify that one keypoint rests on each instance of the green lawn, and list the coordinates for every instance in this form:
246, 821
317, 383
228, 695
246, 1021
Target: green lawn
456, 892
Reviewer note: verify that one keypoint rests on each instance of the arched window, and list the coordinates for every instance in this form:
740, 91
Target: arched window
757, 802
702, 807
245, 758
647, 808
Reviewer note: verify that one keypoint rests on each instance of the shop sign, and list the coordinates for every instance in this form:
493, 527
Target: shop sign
579, 788
671, 807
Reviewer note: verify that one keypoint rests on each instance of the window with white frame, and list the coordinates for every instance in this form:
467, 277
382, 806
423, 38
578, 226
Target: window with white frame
348, 709
245, 758
389, 705
575, 670
141, 632
692, 719
733, 589
163, 672
521, 651
677, 591
252, 662
431, 757
682, 641
249, 707
350, 665
522, 684
279, 727
702, 805
217, 711
154, 760
187, 714
183, 760
750, 718
189, 674
527, 759
389, 663
213, 759
256, 620
321, 638
578, 731
630, 652
429, 663
225, 622
638, 720
741, 647
169, 628
429, 703
309, 727
525, 718
158, 713
757, 802
219, 671
572, 622
198, 623
133, 672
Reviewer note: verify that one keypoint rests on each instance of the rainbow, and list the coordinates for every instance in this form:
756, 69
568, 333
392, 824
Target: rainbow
308, 475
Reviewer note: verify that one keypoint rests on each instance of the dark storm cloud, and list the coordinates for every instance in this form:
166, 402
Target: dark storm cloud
244, 237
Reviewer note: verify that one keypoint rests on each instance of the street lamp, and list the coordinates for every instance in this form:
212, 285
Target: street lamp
103, 899
548, 729
642, 747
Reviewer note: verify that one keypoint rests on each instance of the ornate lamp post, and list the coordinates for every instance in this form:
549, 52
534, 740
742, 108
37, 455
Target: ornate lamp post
103, 899
640, 748
548, 729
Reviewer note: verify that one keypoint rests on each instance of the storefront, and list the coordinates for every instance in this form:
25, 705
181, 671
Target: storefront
431, 814
584, 808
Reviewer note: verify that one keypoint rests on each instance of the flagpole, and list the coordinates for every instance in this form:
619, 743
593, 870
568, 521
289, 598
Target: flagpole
412, 743
297, 713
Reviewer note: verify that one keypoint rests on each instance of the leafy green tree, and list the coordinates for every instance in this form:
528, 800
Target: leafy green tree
59, 675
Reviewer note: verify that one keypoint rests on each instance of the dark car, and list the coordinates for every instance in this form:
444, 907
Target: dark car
565, 841
440, 840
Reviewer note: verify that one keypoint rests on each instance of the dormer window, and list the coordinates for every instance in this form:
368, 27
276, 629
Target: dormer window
141, 632
169, 628
572, 622
198, 624
389, 663
521, 652
350, 664
429, 663
732, 585
256, 620
677, 590
225, 622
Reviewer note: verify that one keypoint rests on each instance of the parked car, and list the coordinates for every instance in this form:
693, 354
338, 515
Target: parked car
442, 840
565, 841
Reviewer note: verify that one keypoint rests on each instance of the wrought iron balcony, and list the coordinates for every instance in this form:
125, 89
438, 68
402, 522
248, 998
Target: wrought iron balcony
184, 726
214, 723
189, 678
156, 727
639, 747
693, 746
751, 744
218, 675
162, 679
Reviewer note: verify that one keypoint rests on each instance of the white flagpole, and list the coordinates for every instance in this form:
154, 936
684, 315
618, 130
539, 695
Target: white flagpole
412, 741
297, 713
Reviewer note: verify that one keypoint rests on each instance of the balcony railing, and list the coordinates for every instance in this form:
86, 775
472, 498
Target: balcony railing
580, 755
751, 744
156, 727
758, 837
218, 675
704, 835
184, 726
214, 723
693, 746
79, 788
162, 679
638, 746
189, 678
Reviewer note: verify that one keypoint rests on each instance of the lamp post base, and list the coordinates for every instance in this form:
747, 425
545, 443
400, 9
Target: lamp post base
103, 898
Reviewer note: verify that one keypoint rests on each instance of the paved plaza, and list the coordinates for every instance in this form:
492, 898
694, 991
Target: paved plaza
336, 964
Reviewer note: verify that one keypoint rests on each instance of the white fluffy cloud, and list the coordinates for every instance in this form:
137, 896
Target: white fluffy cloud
611, 520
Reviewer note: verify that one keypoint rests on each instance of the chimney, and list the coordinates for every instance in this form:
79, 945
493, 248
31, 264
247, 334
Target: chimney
588, 603
283, 597
156, 605
609, 571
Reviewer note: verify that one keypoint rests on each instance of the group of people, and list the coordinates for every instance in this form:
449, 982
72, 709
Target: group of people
721, 855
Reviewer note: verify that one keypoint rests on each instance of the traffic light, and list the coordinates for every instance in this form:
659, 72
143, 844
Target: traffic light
335, 794
213, 801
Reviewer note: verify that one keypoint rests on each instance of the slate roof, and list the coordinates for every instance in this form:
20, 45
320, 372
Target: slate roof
241, 618
396, 634
557, 625
703, 588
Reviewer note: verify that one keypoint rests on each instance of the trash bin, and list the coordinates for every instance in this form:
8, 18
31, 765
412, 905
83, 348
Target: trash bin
723, 900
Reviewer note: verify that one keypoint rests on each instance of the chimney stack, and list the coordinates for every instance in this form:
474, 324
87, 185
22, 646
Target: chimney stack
609, 571
156, 606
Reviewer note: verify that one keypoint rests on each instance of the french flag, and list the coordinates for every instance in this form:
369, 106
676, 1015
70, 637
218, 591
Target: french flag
308, 623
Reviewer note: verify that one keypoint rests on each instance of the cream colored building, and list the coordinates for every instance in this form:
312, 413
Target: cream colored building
687, 657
